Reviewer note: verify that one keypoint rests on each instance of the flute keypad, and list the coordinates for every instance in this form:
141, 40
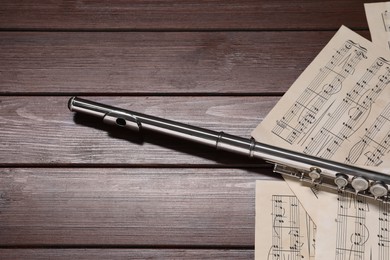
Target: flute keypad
341, 181
378, 189
360, 184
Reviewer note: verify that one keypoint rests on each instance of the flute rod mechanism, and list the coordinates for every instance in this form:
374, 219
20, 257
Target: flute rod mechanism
311, 169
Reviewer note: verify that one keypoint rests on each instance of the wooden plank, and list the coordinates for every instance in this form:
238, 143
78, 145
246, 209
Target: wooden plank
182, 15
42, 131
152, 63
128, 206
113, 254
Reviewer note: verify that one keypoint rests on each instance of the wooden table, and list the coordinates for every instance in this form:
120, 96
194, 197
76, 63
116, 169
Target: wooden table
73, 188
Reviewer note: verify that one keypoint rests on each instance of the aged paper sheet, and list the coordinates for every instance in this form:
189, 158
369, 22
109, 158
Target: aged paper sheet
283, 228
348, 227
339, 109
378, 18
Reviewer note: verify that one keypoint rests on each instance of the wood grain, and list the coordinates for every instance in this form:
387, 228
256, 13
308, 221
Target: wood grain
72, 188
134, 254
150, 63
130, 206
42, 131
182, 15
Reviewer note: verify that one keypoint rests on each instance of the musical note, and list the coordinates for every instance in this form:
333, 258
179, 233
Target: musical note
351, 113
386, 20
305, 110
375, 143
286, 224
281, 217
384, 231
349, 121
352, 232
378, 17
330, 117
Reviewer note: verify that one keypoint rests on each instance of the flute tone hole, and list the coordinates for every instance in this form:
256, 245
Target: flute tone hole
120, 122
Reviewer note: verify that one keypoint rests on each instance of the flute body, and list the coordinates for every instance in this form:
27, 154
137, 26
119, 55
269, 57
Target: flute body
306, 168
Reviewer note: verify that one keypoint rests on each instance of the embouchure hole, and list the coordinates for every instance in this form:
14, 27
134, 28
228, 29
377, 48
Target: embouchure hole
121, 122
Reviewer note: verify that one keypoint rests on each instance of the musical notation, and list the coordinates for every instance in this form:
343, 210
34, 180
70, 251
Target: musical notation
352, 231
386, 23
352, 112
375, 143
362, 229
378, 18
384, 232
337, 115
328, 81
339, 108
386, 20
285, 224
349, 227
282, 218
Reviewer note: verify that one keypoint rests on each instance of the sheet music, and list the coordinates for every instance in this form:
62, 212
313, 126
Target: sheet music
348, 227
378, 18
339, 109
283, 228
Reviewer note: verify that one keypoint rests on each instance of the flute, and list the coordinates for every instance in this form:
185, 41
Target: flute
310, 169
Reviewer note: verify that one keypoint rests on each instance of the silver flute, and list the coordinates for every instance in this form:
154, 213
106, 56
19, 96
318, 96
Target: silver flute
310, 169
